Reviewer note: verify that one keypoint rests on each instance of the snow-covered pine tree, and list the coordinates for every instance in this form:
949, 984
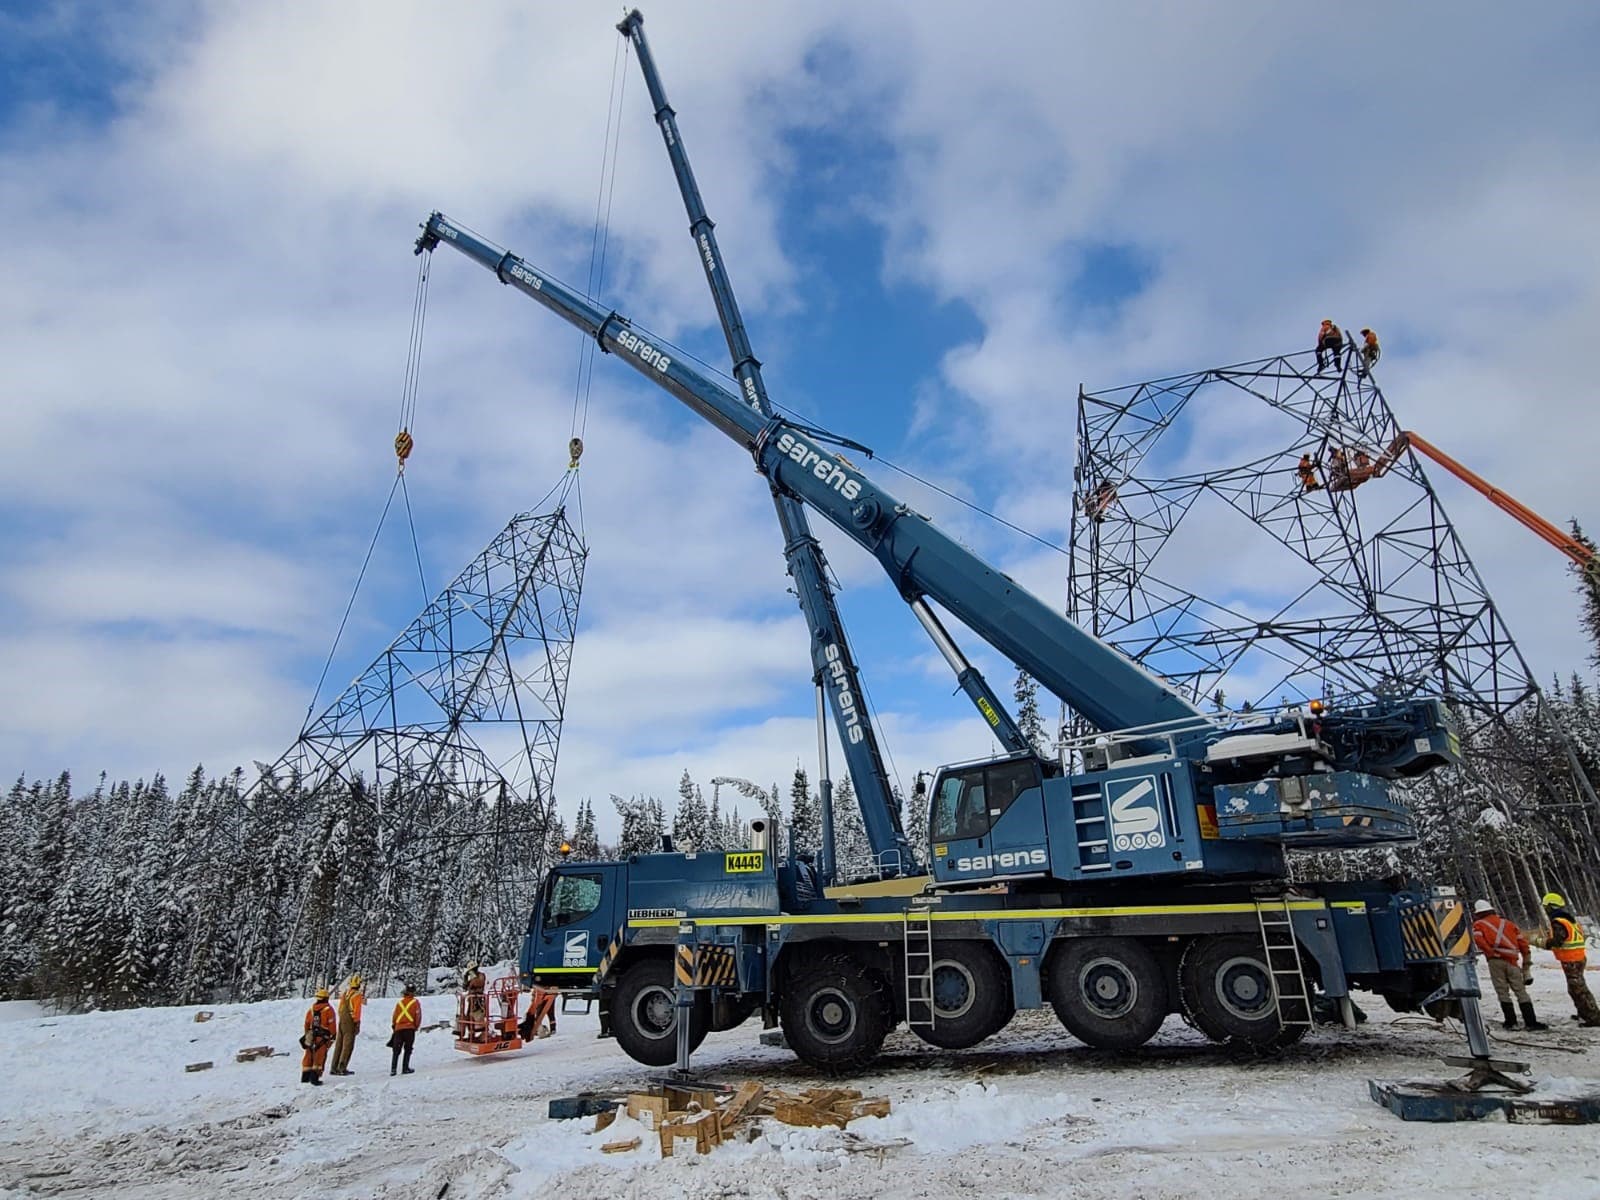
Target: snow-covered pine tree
641, 824
1589, 590
914, 819
772, 809
557, 838
1026, 694
851, 847
716, 831
689, 824
735, 833
805, 814
585, 841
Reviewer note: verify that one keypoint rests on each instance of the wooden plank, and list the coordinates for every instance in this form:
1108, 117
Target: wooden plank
649, 1110
200, 1066
708, 1132
632, 1143
603, 1120
744, 1101
251, 1053
806, 1115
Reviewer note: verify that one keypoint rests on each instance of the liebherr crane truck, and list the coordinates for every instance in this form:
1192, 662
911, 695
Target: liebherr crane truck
1140, 873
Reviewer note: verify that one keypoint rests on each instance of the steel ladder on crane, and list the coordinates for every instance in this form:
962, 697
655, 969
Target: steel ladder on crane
1291, 996
919, 968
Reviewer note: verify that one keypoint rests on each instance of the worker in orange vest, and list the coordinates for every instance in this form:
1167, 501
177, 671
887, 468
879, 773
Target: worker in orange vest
406, 1021
351, 1001
317, 1038
1330, 340
1307, 471
1370, 350
1510, 960
1565, 940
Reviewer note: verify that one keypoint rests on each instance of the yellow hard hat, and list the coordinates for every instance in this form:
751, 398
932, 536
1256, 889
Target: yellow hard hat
355, 981
1554, 900
322, 993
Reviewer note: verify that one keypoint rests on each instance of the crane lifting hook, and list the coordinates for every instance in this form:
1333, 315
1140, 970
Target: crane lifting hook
574, 453
402, 448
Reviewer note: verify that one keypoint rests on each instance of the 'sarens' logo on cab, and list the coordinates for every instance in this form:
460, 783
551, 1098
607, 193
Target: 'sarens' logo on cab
743, 862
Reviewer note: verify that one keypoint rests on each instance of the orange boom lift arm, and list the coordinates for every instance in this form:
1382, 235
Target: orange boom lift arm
1562, 541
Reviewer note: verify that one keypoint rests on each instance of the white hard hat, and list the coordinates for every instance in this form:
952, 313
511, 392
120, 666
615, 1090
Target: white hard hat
1479, 907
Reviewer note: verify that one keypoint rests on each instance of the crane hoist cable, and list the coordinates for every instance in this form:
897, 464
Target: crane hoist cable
404, 443
405, 440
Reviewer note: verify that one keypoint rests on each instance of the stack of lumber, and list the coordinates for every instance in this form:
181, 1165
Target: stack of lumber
710, 1115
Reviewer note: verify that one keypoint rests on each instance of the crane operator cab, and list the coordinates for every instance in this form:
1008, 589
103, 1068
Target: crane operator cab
986, 820
579, 908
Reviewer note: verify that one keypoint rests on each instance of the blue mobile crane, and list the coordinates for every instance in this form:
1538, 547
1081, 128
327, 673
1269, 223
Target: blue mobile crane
1142, 873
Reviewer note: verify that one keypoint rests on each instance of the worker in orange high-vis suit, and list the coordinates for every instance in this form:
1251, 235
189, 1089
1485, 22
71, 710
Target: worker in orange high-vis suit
1330, 342
350, 1002
1370, 350
1510, 960
317, 1038
406, 1021
1565, 940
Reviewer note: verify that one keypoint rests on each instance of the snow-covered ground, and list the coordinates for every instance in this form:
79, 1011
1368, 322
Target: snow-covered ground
100, 1105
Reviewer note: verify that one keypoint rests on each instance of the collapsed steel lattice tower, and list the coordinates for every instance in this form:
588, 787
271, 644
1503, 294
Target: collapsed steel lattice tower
439, 759
1361, 585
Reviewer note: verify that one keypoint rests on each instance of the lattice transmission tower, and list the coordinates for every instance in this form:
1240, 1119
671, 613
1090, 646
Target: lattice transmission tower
1317, 563
436, 765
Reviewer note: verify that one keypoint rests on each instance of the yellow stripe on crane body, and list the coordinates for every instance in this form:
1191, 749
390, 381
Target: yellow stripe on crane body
684, 973
996, 914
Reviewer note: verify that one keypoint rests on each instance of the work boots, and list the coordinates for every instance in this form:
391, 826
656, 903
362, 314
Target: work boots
1528, 1017
305, 1076
1510, 1012
316, 1078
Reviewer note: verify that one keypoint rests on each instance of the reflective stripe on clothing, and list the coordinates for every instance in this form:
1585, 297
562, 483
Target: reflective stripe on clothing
1497, 937
1566, 940
408, 1013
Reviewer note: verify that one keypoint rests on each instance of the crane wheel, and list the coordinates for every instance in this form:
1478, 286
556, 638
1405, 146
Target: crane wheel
834, 1013
1110, 993
1227, 993
644, 1016
971, 997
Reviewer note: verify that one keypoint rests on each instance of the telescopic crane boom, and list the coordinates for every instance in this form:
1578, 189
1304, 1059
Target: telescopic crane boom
1110, 691
833, 663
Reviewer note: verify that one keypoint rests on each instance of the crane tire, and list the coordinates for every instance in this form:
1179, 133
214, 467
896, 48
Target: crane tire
1226, 989
834, 1013
971, 996
644, 1017
1110, 993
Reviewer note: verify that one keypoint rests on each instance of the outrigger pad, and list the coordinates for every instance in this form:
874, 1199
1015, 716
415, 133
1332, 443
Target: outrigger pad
1425, 1100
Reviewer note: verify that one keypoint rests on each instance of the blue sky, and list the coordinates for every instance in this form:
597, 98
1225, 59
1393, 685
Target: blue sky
940, 221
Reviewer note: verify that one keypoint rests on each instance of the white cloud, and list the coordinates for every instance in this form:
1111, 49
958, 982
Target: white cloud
206, 301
